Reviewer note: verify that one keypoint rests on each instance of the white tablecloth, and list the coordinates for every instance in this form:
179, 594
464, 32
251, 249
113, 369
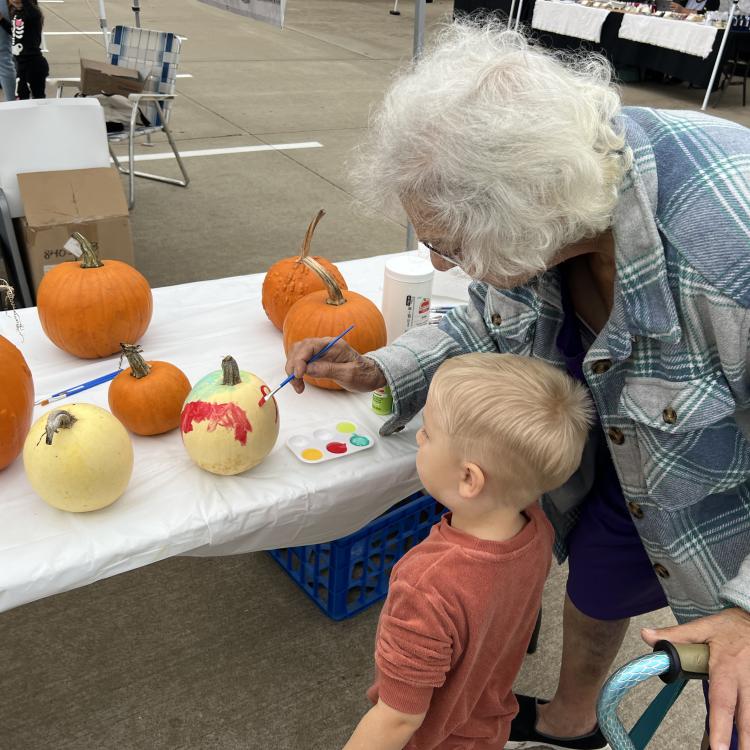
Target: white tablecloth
570, 19
171, 506
689, 37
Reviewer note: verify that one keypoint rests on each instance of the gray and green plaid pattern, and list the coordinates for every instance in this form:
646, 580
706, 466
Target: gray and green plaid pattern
677, 385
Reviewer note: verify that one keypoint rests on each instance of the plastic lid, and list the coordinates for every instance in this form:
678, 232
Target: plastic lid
409, 268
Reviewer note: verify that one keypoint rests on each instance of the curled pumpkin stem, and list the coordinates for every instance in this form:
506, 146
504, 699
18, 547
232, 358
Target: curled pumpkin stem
305, 249
335, 295
139, 368
231, 371
10, 295
58, 420
89, 257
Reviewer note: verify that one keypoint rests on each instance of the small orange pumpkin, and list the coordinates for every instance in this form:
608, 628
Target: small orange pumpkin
290, 279
147, 397
328, 313
16, 395
87, 309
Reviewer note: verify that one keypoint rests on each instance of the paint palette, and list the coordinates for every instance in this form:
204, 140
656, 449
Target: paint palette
340, 439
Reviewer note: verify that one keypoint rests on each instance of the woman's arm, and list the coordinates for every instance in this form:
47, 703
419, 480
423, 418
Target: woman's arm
410, 362
407, 365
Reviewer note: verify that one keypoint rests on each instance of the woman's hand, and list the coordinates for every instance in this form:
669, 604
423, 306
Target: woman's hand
340, 363
677, 8
728, 637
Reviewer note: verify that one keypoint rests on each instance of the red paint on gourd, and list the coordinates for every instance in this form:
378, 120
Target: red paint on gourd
217, 415
264, 391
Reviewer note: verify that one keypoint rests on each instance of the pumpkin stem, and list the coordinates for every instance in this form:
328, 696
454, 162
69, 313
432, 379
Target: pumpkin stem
10, 295
58, 420
335, 295
89, 257
305, 249
139, 368
231, 371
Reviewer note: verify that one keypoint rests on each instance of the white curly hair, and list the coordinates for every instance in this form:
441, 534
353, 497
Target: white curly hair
511, 151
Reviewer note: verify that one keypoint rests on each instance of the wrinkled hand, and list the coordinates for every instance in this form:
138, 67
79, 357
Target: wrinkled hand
728, 637
341, 363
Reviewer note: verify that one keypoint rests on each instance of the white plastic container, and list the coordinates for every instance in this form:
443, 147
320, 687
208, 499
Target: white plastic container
407, 289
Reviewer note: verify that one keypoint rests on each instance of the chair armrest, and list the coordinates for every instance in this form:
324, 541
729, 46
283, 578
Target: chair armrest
150, 96
63, 83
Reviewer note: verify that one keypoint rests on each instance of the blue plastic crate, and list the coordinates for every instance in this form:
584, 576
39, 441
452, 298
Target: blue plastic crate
347, 575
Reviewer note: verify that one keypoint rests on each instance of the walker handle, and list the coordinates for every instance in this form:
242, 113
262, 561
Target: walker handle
687, 661
673, 663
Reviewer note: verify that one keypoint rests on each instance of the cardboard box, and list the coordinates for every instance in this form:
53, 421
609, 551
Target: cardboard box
89, 201
102, 78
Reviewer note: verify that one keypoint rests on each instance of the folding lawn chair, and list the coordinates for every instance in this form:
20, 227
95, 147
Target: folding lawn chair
155, 55
674, 664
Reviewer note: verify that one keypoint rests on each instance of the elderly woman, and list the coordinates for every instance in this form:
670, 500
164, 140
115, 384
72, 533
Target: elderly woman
613, 242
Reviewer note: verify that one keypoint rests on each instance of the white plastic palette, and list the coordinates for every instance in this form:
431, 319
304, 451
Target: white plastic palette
337, 441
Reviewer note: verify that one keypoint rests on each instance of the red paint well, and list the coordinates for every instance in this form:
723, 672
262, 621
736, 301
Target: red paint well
336, 447
229, 415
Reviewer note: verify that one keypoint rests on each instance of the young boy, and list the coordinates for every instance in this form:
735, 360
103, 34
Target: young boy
499, 430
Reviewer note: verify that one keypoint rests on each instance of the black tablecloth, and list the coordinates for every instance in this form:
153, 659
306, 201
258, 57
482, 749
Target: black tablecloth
621, 52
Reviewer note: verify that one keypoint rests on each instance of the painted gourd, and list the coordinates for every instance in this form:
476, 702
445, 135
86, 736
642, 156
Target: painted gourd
327, 313
88, 308
290, 279
16, 396
224, 427
79, 458
147, 397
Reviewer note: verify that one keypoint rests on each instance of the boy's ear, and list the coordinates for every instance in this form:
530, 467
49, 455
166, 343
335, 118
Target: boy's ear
472, 481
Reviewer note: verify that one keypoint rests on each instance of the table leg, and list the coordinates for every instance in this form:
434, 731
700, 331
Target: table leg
720, 56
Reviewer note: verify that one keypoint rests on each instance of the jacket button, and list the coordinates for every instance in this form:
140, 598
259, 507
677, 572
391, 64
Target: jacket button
661, 571
601, 366
497, 319
616, 435
635, 510
669, 415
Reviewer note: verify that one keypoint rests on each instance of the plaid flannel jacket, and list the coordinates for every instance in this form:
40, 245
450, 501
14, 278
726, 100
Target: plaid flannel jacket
668, 373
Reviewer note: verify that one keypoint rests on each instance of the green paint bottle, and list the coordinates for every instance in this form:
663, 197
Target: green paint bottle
382, 401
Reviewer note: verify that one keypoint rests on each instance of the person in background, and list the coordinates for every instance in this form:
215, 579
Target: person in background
7, 66
25, 29
686, 7
498, 431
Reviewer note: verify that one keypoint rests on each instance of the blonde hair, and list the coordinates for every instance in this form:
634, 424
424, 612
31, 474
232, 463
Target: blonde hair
510, 152
520, 419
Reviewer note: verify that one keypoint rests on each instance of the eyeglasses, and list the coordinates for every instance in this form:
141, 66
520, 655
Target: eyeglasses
454, 258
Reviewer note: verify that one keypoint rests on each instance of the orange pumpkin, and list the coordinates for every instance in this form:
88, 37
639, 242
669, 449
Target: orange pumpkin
290, 279
328, 313
147, 397
87, 309
16, 396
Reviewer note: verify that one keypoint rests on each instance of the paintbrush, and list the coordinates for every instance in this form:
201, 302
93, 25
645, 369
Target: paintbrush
77, 388
312, 359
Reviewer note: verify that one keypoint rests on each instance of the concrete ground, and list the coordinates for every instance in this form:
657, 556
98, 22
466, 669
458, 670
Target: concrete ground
226, 653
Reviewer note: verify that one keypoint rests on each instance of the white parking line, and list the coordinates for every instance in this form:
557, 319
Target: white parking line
78, 80
223, 151
87, 33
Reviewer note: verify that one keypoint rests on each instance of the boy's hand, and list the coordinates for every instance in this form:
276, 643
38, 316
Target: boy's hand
384, 728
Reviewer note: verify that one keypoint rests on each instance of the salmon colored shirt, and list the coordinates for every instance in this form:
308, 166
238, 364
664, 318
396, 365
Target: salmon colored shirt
454, 631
